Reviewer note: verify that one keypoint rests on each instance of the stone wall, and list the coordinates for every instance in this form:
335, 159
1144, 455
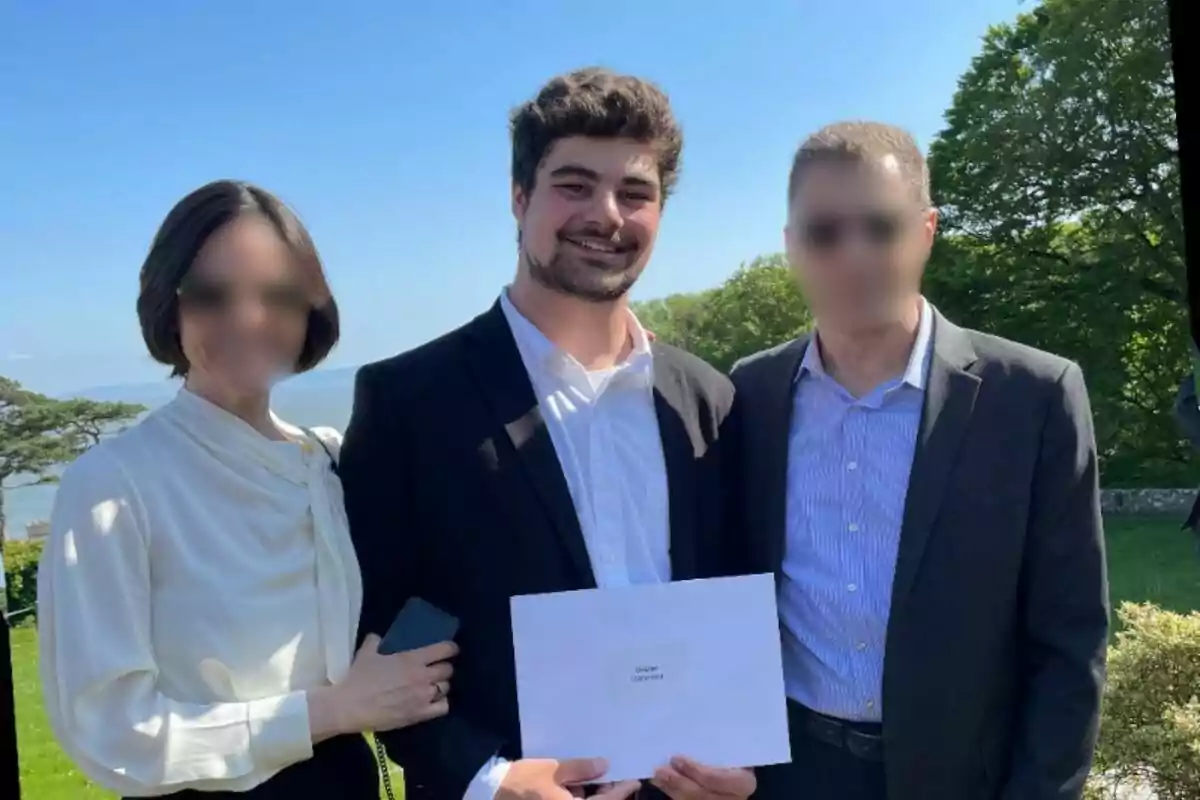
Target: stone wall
1169, 502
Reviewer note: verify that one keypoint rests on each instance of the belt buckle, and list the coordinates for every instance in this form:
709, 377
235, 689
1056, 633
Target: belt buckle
864, 745
827, 730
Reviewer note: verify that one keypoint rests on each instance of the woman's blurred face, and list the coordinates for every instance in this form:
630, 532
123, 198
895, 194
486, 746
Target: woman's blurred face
243, 314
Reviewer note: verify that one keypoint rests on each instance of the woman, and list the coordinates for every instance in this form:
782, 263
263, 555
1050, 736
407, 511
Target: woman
199, 595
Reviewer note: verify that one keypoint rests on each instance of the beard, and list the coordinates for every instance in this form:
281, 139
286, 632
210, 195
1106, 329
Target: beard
595, 280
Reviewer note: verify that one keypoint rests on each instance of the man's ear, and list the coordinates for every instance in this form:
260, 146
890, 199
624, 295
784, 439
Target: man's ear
519, 203
931, 225
791, 243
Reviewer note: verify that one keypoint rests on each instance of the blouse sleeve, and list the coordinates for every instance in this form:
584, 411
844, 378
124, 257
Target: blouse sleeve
97, 664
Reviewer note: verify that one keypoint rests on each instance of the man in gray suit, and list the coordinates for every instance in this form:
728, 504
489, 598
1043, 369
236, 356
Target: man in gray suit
927, 497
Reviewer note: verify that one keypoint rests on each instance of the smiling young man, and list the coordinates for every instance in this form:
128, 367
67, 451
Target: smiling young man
928, 499
547, 445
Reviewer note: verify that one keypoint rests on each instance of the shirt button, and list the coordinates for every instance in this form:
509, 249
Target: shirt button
853, 526
852, 587
870, 704
853, 465
860, 646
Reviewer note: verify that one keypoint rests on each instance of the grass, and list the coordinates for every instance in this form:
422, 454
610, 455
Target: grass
1150, 560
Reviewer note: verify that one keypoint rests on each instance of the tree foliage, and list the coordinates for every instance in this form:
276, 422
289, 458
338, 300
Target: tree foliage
20, 573
39, 433
1150, 730
756, 308
1057, 178
1067, 115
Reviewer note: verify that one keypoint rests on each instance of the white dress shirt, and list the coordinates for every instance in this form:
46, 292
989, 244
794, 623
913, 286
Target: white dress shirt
605, 432
197, 580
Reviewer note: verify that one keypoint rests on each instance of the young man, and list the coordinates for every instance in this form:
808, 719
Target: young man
547, 445
927, 497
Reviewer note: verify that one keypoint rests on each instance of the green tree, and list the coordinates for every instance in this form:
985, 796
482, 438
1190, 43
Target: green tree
1069, 113
756, 308
39, 433
674, 318
1057, 178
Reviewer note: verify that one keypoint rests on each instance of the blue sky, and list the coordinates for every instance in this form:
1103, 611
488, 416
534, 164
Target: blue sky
384, 125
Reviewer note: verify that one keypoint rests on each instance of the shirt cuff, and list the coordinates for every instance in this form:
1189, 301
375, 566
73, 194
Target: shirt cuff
487, 781
279, 730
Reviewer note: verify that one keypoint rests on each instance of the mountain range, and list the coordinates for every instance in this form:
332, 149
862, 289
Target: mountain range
155, 393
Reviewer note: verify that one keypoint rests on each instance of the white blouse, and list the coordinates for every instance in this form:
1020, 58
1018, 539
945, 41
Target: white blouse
198, 578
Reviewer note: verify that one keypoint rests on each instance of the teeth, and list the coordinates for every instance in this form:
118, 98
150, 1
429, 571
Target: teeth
593, 245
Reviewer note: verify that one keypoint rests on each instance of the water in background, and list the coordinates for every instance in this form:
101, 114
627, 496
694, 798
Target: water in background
320, 398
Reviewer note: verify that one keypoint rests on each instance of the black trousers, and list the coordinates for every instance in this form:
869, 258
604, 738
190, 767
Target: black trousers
342, 768
819, 770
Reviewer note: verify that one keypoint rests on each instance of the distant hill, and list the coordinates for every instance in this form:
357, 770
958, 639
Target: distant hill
156, 393
323, 397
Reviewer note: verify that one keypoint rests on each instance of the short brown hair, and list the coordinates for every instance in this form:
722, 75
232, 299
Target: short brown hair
595, 102
185, 230
860, 142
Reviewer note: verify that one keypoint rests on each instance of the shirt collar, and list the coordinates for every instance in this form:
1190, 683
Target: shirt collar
918, 359
538, 352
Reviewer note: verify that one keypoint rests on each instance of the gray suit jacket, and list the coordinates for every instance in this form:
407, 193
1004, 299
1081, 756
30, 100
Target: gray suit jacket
997, 635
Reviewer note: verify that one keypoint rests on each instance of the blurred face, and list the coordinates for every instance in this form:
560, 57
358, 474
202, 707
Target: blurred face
589, 224
858, 240
243, 315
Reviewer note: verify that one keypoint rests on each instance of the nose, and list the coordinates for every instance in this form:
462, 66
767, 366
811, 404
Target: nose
605, 211
856, 247
246, 314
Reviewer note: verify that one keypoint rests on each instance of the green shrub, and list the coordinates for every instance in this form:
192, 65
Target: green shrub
1150, 728
20, 575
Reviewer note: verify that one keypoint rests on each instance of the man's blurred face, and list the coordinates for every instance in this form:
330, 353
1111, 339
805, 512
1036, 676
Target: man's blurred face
858, 239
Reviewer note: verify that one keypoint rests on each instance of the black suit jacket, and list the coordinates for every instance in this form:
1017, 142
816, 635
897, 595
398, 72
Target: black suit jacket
454, 494
999, 619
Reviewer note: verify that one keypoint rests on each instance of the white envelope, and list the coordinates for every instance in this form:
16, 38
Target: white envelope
639, 674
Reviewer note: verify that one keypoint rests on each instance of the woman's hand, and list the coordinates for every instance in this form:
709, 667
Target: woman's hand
382, 693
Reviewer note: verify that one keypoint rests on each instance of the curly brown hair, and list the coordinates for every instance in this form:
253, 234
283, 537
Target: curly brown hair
595, 102
861, 141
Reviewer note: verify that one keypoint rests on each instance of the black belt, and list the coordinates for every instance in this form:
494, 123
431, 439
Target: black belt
867, 746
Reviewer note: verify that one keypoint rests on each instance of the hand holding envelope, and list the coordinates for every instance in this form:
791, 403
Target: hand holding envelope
549, 779
684, 779
642, 674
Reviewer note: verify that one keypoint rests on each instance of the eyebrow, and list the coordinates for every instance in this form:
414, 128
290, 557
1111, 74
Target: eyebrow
578, 171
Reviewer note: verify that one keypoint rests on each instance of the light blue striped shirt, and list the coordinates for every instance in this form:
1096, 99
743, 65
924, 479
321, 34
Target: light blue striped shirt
847, 478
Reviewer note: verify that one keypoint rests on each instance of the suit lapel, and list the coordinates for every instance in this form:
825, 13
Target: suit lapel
777, 410
949, 400
674, 407
509, 394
